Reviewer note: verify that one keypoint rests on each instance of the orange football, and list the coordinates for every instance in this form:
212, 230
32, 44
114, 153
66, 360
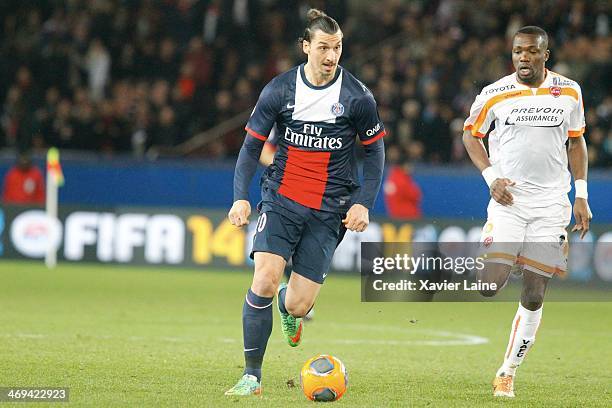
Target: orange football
324, 378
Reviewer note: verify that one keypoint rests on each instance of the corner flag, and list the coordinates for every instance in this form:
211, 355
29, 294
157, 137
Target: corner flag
53, 167
55, 179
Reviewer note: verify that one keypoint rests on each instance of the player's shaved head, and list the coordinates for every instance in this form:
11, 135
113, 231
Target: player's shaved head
536, 31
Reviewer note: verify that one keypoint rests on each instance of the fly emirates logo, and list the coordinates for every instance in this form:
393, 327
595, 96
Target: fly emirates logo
312, 137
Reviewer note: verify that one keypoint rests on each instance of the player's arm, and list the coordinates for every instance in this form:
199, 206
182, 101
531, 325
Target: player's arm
371, 132
475, 129
246, 165
476, 151
480, 158
578, 161
357, 217
260, 123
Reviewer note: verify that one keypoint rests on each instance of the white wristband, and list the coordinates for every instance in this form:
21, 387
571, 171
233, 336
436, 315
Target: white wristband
490, 175
581, 189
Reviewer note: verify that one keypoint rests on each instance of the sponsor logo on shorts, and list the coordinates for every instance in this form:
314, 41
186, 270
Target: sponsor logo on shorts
488, 227
261, 223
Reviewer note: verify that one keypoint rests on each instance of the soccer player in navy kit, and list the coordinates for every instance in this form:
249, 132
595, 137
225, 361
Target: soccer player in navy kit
309, 191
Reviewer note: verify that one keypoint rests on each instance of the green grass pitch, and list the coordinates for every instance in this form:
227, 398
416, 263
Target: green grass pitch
141, 337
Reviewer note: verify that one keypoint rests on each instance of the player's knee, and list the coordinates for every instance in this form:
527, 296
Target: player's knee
265, 284
493, 287
489, 290
496, 275
265, 288
297, 309
266, 279
532, 300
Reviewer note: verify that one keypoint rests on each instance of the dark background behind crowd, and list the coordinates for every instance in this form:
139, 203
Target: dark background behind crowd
134, 76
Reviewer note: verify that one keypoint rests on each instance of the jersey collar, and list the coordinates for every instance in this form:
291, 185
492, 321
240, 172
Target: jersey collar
327, 85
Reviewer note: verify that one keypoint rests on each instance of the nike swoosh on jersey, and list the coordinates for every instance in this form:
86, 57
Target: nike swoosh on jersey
289, 106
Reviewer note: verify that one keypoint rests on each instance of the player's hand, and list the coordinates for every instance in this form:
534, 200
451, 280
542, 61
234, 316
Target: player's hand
500, 193
239, 213
582, 215
357, 218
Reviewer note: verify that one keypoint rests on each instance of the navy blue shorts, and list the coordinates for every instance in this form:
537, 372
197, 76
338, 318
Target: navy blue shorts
307, 236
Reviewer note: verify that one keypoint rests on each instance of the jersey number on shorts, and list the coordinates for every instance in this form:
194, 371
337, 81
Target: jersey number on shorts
261, 222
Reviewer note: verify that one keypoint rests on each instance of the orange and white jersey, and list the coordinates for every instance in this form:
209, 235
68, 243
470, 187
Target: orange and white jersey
531, 128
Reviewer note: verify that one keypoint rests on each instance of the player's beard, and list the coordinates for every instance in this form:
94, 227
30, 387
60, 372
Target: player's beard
530, 78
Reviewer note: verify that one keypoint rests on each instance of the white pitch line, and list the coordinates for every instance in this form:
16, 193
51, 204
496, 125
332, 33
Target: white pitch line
451, 339
445, 338
24, 335
172, 339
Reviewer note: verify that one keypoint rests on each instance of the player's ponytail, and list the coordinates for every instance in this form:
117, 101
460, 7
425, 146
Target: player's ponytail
318, 20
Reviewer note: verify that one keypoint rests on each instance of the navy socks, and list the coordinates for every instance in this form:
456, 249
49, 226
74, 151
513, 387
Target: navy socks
256, 329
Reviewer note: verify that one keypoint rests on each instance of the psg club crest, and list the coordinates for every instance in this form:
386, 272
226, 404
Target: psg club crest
337, 109
555, 91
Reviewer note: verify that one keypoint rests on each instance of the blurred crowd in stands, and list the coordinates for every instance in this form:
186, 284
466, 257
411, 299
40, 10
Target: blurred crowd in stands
135, 76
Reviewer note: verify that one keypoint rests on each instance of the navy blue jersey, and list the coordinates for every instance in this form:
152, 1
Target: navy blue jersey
316, 129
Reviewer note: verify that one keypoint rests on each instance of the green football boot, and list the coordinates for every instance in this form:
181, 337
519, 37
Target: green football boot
248, 385
292, 326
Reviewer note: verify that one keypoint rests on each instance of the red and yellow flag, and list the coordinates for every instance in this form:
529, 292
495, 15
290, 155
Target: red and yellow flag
54, 168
